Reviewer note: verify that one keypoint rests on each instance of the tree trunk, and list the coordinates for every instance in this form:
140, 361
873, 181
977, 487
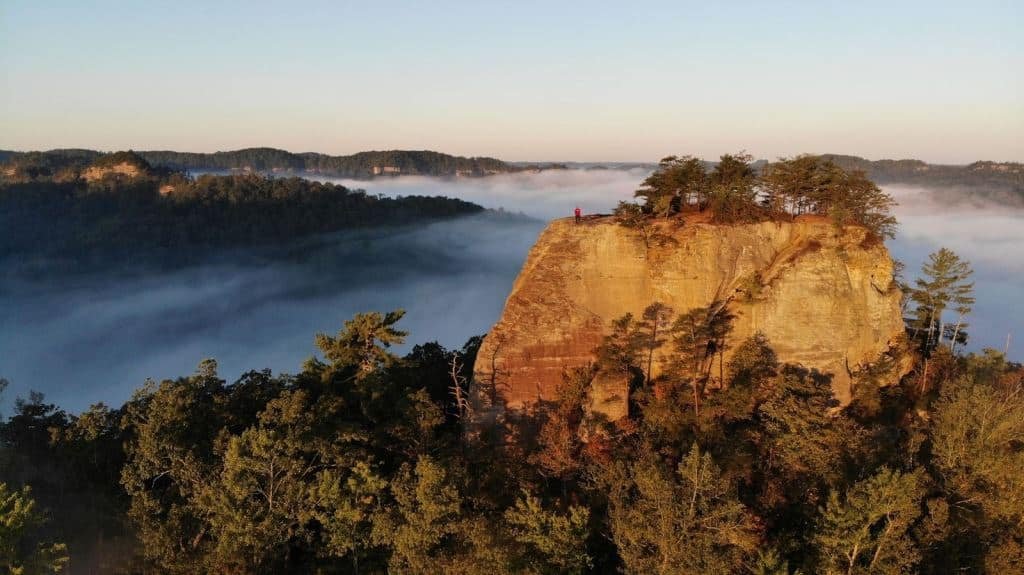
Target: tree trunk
852, 559
650, 353
721, 366
956, 332
881, 542
924, 377
696, 402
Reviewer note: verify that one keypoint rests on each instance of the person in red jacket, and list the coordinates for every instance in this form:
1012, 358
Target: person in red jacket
577, 212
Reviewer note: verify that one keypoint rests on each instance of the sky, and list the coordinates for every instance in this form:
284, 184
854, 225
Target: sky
584, 81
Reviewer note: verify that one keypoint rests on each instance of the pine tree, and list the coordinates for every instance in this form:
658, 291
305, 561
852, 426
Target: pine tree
654, 327
733, 190
944, 283
551, 542
364, 342
685, 522
22, 551
675, 183
865, 530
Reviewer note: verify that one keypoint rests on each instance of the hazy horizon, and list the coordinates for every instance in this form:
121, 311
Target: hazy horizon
573, 163
569, 81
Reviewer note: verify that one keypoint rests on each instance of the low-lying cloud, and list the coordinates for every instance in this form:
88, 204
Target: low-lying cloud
98, 339
101, 338
988, 234
546, 195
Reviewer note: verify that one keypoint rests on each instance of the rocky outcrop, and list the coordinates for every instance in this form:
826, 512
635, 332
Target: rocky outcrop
824, 297
122, 169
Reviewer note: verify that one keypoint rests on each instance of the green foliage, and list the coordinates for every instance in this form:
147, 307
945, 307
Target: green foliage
733, 190
736, 193
131, 220
553, 542
559, 439
978, 434
429, 530
632, 216
652, 333
944, 284
619, 352
689, 521
359, 464
866, 530
770, 562
1002, 182
802, 437
815, 185
129, 157
677, 182
21, 551
361, 165
363, 344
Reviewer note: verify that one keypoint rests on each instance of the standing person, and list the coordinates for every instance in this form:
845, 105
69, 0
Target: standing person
577, 212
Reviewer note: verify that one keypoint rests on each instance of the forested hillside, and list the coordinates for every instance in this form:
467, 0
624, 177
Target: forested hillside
999, 181
117, 208
359, 463
366, 462
360, 165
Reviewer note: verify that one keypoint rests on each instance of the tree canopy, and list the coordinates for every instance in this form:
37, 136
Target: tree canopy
735, 191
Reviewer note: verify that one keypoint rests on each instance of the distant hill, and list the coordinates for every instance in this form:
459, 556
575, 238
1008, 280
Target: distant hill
118, 209
360, 165
998, 181
995, 181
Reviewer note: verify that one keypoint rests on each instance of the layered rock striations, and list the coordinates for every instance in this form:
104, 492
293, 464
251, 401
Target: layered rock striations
824, 296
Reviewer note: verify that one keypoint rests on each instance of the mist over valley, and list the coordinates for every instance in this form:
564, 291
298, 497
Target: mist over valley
96, 337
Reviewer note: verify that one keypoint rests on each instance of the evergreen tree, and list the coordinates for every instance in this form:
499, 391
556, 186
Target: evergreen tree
733, 190
22, 552
866, 530
552, 542
560, 445
364, 342
654, 327
944, 283
674, 184
686, 522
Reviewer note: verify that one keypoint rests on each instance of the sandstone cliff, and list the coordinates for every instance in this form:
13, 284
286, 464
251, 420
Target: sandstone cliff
125, 169
825, 298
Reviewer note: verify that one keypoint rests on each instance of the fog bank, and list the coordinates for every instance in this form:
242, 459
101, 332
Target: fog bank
99, 339
546, 195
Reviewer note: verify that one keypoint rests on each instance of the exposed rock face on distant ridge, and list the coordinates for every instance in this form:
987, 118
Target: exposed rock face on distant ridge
126, 169
824, 297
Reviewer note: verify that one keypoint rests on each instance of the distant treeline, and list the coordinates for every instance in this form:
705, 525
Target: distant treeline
1000, 181
1008, 175
106, 212
360, 165
994, 181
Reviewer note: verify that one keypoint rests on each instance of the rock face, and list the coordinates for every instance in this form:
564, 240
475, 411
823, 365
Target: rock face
824, 297
95, 173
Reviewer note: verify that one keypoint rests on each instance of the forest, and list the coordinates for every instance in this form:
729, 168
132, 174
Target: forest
162, 215
994, 180
367, 462
359, 165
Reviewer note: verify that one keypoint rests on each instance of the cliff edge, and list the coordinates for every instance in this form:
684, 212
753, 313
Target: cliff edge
824, 297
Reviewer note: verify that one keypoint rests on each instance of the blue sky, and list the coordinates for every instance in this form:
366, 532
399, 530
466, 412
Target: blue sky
518, 80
